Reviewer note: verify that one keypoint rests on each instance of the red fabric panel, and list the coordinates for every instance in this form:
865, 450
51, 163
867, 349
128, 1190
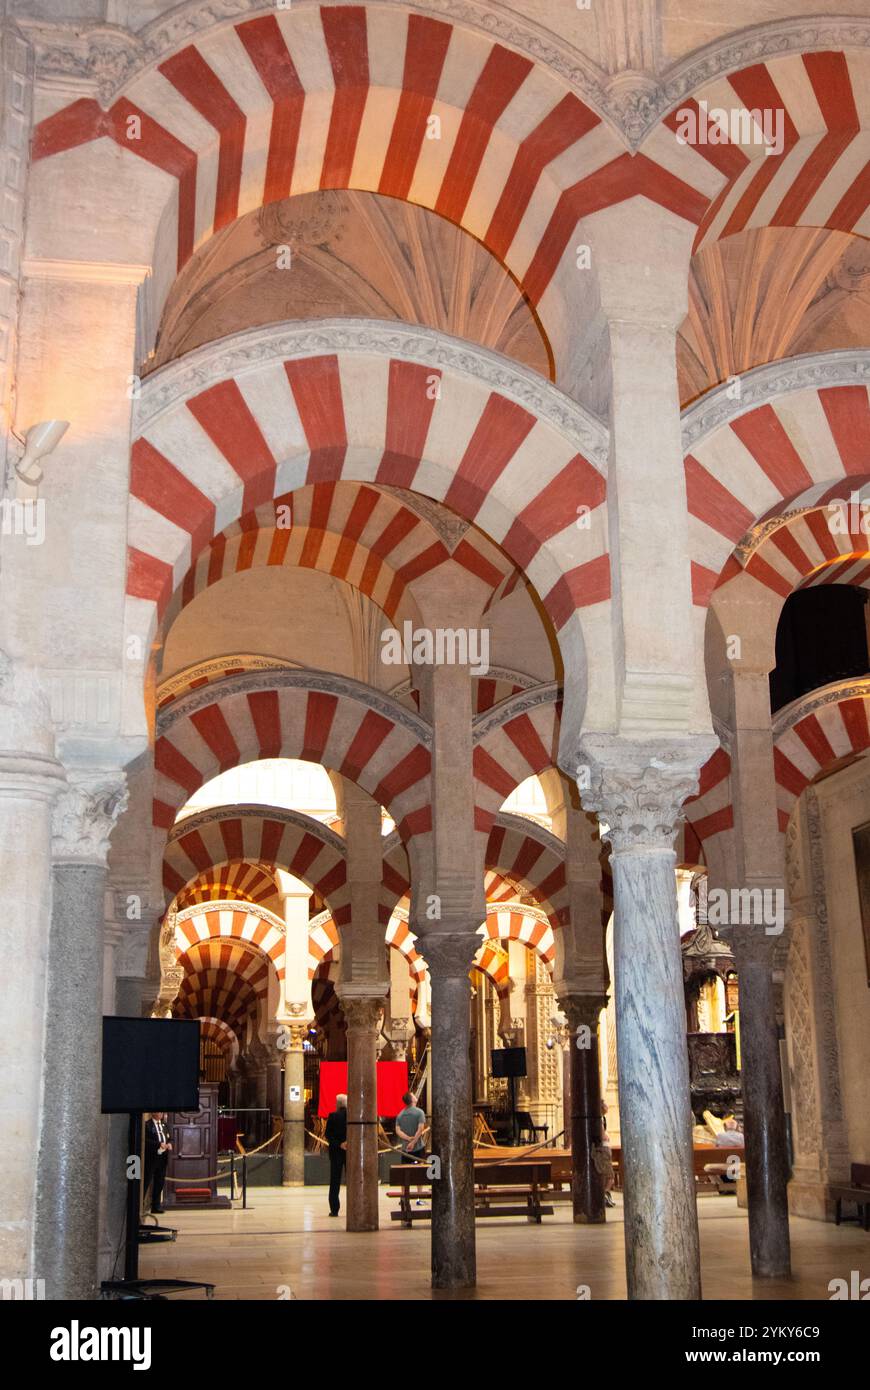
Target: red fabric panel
392, 1085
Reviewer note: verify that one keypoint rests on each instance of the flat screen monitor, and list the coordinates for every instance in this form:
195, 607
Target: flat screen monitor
509, 1061
150, 1064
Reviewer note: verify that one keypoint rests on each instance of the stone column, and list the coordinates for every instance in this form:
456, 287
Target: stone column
30, 780
587, 1185
363, 1017
293, 1164
67, 1210
763, 1109
637, 791
449, 955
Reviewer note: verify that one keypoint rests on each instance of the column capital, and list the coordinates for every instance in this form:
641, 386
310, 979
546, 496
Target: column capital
637, 788
582, 1010
291, 1036
449, 955
85, 815
753, 945
361, 1013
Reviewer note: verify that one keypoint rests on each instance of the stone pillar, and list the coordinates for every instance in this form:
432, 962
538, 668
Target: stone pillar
363, 1017
587, 1184
67, 1211
293, 1163
30, 780
449, 956
637, 791
763, 1109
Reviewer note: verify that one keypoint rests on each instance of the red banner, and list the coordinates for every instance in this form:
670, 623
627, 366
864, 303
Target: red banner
392, 1085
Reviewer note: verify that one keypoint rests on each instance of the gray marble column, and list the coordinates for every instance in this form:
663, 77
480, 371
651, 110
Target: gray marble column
587, 1180
763, 1110
293, 1155
29, 782
449, 956
67, 1210
637, 789
363, 1017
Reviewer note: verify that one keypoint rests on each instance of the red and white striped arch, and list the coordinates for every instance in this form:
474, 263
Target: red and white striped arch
711, 811
277, 418
323, 942
218, 839
518, 924
810, 549
821, 178
216, 1031
226, 922
354, 532
288, 714
518, 739
529, 859
805, 446
338, 96
814, 734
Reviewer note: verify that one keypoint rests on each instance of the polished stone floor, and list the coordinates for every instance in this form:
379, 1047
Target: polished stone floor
286, 1246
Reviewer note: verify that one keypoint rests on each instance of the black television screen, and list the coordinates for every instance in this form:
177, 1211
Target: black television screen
150, 1064
509, 1061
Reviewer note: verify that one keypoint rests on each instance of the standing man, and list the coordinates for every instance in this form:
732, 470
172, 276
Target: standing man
157, 1151
410, 1125
336, 1139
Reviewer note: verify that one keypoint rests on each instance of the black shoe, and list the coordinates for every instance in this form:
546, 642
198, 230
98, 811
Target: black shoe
157, 1211
608, 1200
333, 1213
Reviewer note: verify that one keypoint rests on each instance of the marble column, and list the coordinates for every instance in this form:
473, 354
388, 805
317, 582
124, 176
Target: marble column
637, 791
587, 1184
293, 1160
449, 956
763, 1109
68, 1198
30, 780
362, 1016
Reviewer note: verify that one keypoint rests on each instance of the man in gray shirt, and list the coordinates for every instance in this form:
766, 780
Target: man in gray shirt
410, 1124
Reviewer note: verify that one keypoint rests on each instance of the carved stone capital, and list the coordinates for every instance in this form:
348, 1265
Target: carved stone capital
362, 1014
85, 814
637, 789
753, 945
449, 955
583, 1010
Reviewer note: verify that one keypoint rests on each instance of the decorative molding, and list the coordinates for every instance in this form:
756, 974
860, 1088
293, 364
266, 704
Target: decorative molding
239, 905
819, 945
449, 527
244, 352
217, 666
514, 705
757, 535
253, 682
534, 830
216, 814
85, 814
637, 789
745, 49
791, 714
362, 1012
761, 385
87, 272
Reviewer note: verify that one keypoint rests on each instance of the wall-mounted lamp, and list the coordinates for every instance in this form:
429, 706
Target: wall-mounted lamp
39, 441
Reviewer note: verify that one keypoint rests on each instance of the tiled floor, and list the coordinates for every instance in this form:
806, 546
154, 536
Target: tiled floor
285, 1245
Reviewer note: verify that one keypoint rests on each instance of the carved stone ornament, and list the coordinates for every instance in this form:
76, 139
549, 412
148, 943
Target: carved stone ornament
852, 688
109, 57
810, 371
361, 1013
583, 1010
449, 955
84, 816
236, 355
637, 789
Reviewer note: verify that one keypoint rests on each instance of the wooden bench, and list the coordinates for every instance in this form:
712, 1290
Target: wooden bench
858, 1191
496, 1189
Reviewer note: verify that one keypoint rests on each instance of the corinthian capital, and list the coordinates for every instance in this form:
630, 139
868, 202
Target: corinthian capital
449, 954
583, 1010
637, 788
85, 815
361, 1013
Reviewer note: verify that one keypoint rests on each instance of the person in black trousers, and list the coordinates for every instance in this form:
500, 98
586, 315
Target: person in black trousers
157, 1147
336, 1138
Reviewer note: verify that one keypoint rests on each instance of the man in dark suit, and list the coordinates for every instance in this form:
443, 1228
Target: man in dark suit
336, 1139
157, 1150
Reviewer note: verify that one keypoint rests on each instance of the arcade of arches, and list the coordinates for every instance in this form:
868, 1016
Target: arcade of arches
441, 627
